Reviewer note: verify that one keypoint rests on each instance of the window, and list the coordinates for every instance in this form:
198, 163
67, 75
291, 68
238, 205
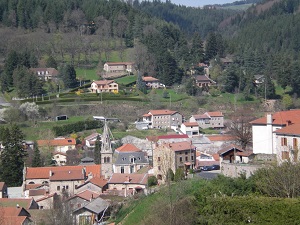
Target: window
186, 158
107, 159
158, 159
67, 187
58, 188
186, 153
285, 155
180, 159
122, 169
283, 142
295, 143
192, 157
131, 169
158, 167
76, 186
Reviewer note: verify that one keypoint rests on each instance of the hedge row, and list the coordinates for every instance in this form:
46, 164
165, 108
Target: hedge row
76, 127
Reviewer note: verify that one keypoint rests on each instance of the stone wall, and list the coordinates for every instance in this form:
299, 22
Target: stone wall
235, 170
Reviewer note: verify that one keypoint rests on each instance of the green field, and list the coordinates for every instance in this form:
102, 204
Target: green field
87, 74
126, 80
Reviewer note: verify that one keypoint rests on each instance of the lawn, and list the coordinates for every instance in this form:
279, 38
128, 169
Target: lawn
87, 74
126, 80
171, 96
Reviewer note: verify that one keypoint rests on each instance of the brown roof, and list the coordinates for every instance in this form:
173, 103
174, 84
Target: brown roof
203, 78
293, 129
100, 182
103, 82
12, 202
245, 153
149, 79
67, 175
32, 186
191, 124
134, 178
216, 157
229, 148
37, 192
51, 71
57, 142
215, 114
128, 148
180, 146
12, 215
16, 220
281, 118
44, 172
162, 112
221, 138
87, 195
2, 185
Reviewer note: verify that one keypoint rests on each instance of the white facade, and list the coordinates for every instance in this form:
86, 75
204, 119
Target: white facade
190, 129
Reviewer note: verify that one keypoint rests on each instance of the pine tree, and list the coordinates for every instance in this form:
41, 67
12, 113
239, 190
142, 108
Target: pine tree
140, 84
36, 161
68, 75
12, 156
97, 149
197, 51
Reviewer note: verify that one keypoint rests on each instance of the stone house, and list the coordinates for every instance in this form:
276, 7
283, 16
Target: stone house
163, 119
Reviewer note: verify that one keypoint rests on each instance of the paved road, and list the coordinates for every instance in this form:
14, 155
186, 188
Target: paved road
208, 174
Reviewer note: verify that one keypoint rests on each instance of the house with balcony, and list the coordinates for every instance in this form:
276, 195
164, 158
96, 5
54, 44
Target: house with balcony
163, 118
203, 81
152, 82
173, 155
115, 67
209, 120
104, 86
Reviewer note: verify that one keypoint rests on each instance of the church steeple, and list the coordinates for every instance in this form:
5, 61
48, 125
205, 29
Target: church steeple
106, 153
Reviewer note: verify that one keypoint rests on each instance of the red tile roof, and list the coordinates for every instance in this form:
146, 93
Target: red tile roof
128, 148
229, 148
46, 197
191, 124
51, 71
44, 172
15, 220
180, 146
221, 138
293, 129
100, 182
57, 142
161, 112
149, 79
32, 186
134, 178
87, 195
244, 153
12, 215
22, 202
215, 114
37, 192
216, 157
103, 82
1, 185
170, 136
281, 118
67, 175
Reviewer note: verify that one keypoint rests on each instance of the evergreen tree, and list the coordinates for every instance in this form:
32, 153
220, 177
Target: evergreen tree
68, 75
211, 47
12, 156
197, 52
51, 62
36, 161
97, 151
140, 84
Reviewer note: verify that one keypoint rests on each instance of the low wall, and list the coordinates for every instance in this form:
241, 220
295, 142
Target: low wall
235, 170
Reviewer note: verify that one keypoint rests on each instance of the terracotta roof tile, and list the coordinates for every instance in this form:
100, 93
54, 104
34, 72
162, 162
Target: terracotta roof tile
230, 147
293, 129
191, 124
32, 186
162, 112
215, 114
16, 220
67, 175
46, 197
98, 181
149, 79
87, 195
57, 142
221, 138
216, 157
245, 153
134, 178
128, 148
103, 82
44, 172
37, 192
281, 118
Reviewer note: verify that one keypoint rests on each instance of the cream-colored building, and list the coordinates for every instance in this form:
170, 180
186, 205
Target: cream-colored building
113, 67
173, 155
57, 144
60, 158
190, 128
209, 120
163, 118
104, 86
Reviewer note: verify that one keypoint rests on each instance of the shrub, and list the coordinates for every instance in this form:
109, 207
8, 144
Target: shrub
152, 181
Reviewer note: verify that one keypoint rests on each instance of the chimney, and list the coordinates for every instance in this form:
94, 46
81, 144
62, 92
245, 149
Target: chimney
269, 119
50, 173
18, 206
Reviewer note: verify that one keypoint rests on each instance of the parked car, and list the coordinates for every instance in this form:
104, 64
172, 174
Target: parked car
215, 167
207, 168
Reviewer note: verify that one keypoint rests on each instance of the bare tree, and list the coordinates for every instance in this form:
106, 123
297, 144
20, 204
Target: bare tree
240, 125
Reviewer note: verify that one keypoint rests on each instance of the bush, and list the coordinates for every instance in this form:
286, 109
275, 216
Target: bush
152, 181
76, 127
179, 174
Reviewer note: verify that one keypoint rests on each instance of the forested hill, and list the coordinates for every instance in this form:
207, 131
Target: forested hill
189, 19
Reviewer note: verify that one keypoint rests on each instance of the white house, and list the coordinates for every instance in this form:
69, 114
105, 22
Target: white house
263, 130
163, 118
152, 82
104, 86
60, 158
119, 67
190, 128
58, 144
91, 139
